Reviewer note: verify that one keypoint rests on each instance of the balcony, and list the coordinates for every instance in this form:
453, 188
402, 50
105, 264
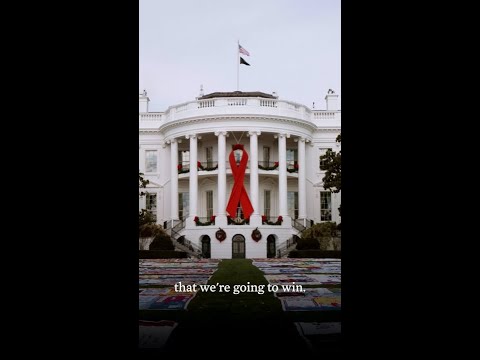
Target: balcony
239, 106
211, 167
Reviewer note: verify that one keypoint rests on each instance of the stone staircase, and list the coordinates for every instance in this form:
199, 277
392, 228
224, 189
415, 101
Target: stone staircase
300, 225
174, 228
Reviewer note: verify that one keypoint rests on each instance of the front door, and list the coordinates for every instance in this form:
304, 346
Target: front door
271, 246
238, 247
206, 247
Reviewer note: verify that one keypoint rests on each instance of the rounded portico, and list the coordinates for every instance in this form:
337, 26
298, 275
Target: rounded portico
245, 163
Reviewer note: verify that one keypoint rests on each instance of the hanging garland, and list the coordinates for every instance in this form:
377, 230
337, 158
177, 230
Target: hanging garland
256, 234
274, 167
181, 170
206, 168
220, 235
295, 168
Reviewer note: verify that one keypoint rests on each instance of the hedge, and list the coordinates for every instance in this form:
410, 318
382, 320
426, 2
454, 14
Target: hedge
307, 244
162, 242
161, 254
335, 254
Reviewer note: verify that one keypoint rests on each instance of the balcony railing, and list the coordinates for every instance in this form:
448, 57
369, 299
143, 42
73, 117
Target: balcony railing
201, 166
183, 168
268, 165
204, 221
237, 221
222, 106
272, 220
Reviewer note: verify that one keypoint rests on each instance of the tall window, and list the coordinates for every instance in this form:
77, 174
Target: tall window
292, 157
266, 156
325, 206
151, 205
239, 214
183, 205
150, 161
209, 156
292, 201
238, 155
323, 152
209, 204
184, 158
266, 204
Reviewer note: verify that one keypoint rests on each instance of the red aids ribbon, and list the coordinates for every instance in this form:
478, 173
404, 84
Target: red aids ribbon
239, 194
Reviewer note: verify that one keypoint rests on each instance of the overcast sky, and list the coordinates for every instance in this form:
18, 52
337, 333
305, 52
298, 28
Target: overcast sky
294, 48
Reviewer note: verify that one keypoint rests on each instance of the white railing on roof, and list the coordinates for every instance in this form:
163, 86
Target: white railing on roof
240, 106
323, 115
206, 103
237, 102
151, 116
269, 103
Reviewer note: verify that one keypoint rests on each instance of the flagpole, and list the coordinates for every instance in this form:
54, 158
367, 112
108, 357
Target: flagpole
238, 64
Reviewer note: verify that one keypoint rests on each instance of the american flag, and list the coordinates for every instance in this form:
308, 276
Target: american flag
242, 50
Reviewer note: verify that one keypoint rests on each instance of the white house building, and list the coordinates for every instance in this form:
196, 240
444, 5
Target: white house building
237, 174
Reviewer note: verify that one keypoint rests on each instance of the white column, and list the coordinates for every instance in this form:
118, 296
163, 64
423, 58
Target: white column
255, 219
221, 216
282, 177
302, 194
193, 196
173, 179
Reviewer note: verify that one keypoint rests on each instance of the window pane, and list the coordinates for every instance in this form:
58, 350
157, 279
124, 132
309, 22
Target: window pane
238, 155
323, 152
151, 204
150, 161
209, 204
266, 155
183, 205
325, 206
267, 204
209, 156
184, 157
292, 202
186, 204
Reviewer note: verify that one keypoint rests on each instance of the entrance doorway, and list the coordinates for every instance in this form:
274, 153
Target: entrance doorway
238, 247
271, 249
206, 246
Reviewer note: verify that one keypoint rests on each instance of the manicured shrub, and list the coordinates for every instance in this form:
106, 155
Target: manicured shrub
321, 230
307, 244
162, 242
149, 230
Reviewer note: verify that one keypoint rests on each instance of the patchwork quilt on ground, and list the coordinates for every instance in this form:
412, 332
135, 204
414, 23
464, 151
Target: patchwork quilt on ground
305, 279
166, 273
311, 272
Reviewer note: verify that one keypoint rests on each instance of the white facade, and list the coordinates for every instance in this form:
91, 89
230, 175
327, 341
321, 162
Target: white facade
205, 130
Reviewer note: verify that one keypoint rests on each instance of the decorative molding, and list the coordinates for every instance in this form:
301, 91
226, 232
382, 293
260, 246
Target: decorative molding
269, 181
153, 184
282, 135
150, 132
329, 129
310, 126
250, 133
208, 182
